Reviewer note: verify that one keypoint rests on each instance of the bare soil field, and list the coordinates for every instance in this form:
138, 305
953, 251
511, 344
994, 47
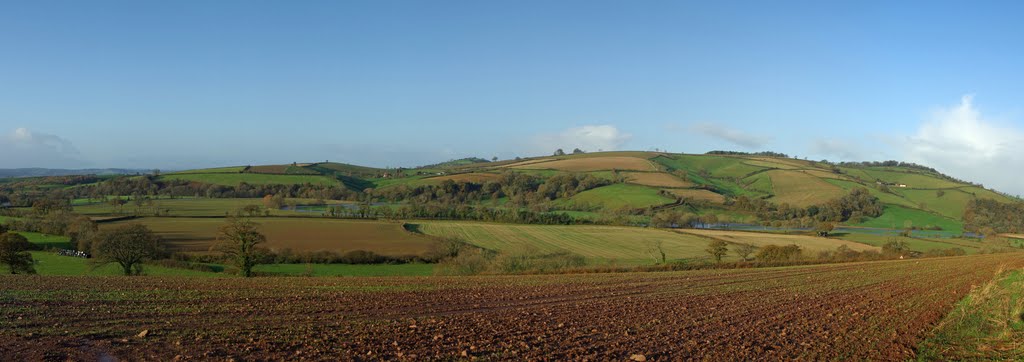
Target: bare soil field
859, 311
586, 164
299, 234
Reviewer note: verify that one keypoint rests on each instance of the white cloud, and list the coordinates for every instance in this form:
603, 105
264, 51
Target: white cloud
733, 136
23, 147
961, 142
843, 150
588, 138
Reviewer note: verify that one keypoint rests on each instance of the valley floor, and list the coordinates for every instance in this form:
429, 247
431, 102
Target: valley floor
857, 311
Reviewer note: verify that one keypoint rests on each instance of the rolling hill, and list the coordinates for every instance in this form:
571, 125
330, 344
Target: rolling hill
915, 196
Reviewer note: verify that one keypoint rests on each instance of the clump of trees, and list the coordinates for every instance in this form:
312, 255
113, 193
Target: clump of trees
988, 217
854, 206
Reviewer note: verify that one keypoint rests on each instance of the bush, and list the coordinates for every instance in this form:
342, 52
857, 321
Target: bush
775, 253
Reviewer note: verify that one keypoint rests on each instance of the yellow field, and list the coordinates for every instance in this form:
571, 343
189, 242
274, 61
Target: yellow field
475, 177
599, 243
656, 179
826, 174
768, 164
528, 162
800, 189
698, 194
593, 164
810, 244
785, 161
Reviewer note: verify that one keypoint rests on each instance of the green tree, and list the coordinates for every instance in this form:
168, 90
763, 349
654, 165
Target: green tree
239, 239
559, 152
717, 249
14, 253
128, 246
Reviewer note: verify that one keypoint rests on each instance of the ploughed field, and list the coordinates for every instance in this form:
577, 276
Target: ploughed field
874, 311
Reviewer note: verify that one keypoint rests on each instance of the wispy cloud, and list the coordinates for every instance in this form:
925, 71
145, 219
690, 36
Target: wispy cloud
733, 136
843, 150
961, 141
23, 147
588, 138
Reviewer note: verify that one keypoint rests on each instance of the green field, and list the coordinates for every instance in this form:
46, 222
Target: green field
716, 166
233, 179
231, 169
47, 241
913, 180
884, 197
616, 196
801, 189
52, 264
951, 204
898, 217
347, 270
915, 244
180, 207
987, 325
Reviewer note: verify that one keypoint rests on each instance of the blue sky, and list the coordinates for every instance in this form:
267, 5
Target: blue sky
397, 83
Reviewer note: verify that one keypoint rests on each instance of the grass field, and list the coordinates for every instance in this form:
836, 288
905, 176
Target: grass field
810, 244
760, 182
616, 196
951, 204
771, 164
698, 194
915, 244
987, 325
232, 169
656, 179
346, 270
298, 234
474, 177
800, 189
600, 244
898, 217
233, 179
912, 180
585, 164
47, 241
884, 197
52, 264
181, 207
717, 166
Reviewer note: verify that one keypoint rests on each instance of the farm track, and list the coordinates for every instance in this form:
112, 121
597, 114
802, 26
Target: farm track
875, 311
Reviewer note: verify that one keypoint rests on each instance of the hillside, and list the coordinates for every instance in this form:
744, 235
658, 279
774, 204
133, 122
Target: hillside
913, 196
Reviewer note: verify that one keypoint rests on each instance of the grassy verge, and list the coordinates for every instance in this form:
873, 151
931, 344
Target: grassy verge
988, 324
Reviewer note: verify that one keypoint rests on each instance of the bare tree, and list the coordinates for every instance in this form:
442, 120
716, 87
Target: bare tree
238, 240
656, 249
743, 250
